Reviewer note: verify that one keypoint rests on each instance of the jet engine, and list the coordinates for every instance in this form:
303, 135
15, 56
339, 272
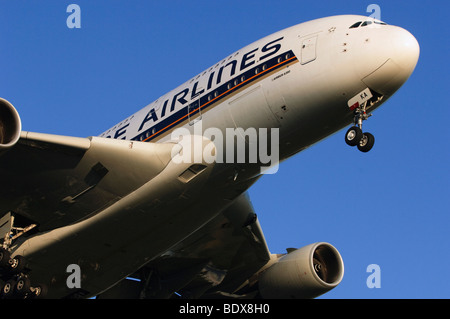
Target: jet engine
10, 125
307, 272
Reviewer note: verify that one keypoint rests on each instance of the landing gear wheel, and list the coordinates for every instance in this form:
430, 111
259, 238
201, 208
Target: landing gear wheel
8, 288
4, 258
353, 136
366, 143
2, 284
17, 264
23, 286
39, 292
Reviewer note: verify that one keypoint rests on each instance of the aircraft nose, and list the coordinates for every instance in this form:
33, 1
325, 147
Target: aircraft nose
401, 51
407, 50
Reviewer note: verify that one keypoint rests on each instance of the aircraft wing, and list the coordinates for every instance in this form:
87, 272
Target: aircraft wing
214, 262
55, 181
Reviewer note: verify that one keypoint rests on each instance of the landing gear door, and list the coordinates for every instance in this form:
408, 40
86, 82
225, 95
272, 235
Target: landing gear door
5, 225
309, 53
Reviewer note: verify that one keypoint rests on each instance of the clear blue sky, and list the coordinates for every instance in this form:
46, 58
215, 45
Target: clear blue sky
388, 207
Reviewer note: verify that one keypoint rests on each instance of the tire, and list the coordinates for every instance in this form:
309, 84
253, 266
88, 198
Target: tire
8, 288
366, 143
353, 136
22, 286
2, 284
17, 264
40, 292
4, 258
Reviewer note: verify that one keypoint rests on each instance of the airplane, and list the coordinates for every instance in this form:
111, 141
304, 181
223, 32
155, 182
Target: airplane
157, 205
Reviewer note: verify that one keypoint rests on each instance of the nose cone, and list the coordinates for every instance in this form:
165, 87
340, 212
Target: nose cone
406, 50
400, 51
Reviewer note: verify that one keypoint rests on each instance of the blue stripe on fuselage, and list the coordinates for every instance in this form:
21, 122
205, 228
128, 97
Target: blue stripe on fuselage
219, 94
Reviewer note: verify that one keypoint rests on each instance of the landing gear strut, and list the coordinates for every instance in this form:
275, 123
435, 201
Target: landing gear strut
355, 135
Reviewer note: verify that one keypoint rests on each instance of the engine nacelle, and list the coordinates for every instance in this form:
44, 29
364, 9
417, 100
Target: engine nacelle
307, 272
10, 125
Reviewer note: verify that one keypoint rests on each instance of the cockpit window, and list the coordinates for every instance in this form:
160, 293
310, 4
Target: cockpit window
355, 25
365, 23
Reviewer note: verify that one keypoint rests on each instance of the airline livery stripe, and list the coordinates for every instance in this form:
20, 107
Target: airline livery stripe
208, 100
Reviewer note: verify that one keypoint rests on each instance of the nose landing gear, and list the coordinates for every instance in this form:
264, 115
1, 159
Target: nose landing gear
355, 135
